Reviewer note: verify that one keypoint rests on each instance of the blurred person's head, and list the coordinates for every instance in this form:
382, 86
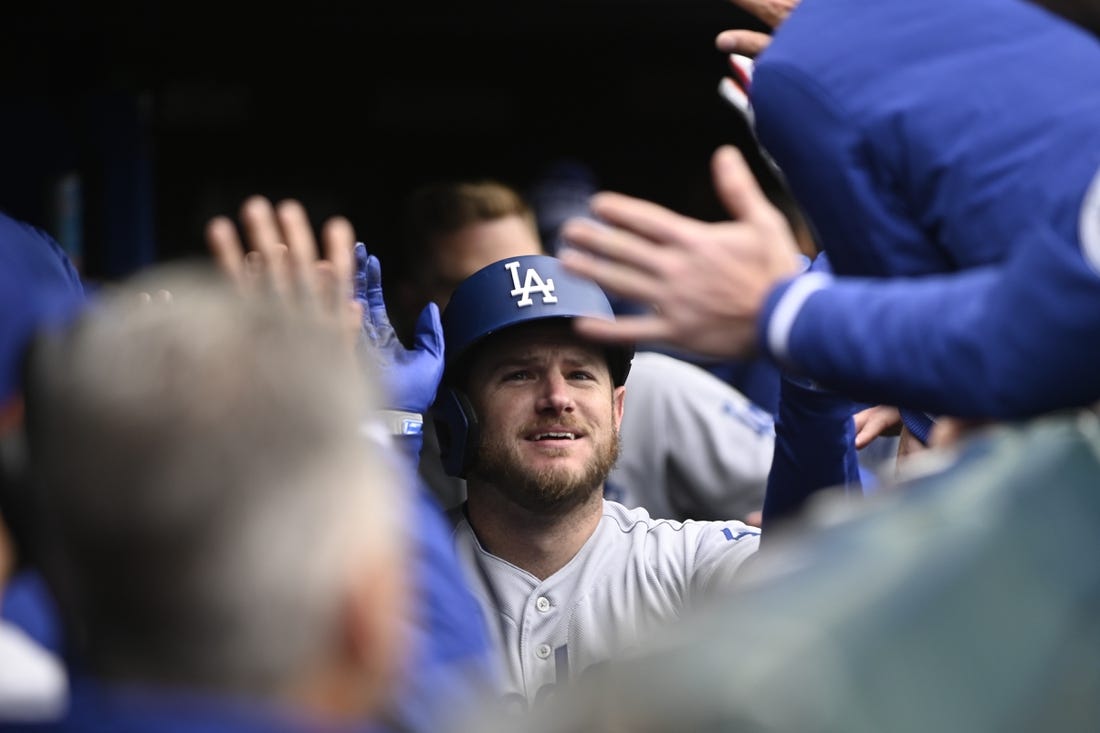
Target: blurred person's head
215, 519
452, 230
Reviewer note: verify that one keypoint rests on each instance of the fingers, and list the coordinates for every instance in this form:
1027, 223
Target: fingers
863, 437
745, 42
376, 301
741, 195
610, 243
737, 187
647, 220
625, 278
263, 237
429, 331
353, 320
860, 418
326, 285
338, 238
361, 257
875, 421
261, 230
298, 237
283, 251
772, 12
225, 246
624, 329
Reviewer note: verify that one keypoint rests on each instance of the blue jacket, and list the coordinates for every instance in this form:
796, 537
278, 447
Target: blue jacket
95, 708
925, 138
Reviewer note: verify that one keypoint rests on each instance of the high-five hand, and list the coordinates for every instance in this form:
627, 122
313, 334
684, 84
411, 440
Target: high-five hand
706, 282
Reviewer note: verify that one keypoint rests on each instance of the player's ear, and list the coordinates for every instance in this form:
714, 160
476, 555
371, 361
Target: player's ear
618, 402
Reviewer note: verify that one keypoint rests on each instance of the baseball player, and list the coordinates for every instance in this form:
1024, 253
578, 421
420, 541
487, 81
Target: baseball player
529, 415
693, 447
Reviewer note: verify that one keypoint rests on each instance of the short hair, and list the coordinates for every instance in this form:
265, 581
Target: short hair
203, 478
441, 208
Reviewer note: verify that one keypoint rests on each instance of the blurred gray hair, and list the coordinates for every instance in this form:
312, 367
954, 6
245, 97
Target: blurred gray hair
205, 478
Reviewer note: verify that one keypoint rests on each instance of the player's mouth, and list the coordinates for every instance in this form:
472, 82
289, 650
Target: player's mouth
554, 436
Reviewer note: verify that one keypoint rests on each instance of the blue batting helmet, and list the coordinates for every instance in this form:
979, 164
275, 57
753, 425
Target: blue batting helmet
507, 293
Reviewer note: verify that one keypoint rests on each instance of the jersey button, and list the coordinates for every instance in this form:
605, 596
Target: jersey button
542, 651
542, 603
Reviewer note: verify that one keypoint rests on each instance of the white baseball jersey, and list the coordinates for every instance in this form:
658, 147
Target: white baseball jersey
634, 573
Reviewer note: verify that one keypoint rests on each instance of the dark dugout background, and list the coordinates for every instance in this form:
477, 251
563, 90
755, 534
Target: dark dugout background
124, 127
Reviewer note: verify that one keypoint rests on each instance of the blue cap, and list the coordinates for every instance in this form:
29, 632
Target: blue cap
39, 288
518, 290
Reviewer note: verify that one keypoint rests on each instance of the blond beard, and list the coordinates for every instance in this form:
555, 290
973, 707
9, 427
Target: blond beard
548, 490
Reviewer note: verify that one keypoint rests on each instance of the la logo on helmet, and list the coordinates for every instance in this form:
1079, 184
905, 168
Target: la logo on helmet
532, 282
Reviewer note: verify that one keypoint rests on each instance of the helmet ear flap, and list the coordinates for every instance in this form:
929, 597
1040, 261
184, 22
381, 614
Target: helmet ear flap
457, 429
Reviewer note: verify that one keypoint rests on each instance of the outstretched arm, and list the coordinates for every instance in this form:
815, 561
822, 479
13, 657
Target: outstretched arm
815, 443
1002, 341
997, 342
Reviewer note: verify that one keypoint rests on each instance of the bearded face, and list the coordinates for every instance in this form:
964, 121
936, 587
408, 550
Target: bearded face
549, 416
546, 487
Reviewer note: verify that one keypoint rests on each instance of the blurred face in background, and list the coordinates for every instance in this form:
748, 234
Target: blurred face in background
461, 253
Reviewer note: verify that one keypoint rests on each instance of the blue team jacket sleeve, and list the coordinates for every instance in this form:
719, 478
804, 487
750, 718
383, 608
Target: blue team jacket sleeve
1000, 341
814, 434
814, 448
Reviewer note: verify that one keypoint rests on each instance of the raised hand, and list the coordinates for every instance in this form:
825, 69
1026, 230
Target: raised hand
411, 375
281, 255
706, 282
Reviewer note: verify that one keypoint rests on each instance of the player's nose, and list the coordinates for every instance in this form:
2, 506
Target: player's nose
554, 395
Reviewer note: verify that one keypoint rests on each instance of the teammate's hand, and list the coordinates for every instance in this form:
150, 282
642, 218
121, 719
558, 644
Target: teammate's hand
411, 375
876, 421
771, 12
749, 44
281, 257
706, 282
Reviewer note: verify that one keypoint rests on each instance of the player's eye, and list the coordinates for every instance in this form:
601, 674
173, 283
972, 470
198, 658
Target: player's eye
516, 375
581, 374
